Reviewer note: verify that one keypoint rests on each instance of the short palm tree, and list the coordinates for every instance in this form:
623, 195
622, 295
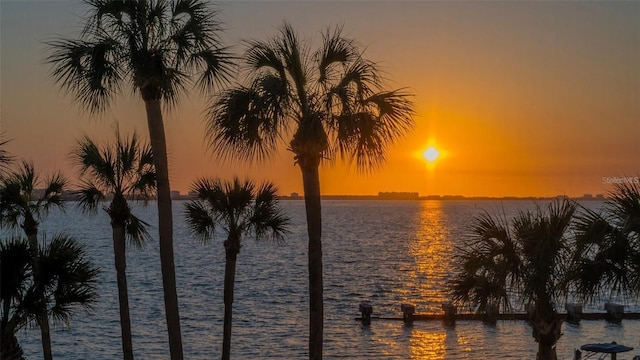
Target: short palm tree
490, 265
526, 260
239, 209
607, 257
21, 206
15, 276
123, 169
157, 48
331, 101
67, 281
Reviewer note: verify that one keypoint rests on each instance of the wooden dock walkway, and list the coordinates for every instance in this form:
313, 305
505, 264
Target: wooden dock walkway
481, 317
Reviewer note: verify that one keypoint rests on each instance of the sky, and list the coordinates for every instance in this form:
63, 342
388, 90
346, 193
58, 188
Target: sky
520, 98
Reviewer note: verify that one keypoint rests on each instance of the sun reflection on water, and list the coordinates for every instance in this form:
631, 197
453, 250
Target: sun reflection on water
431, 252
427, 345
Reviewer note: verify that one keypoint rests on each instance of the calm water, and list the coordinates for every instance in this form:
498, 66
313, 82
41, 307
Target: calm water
385, 252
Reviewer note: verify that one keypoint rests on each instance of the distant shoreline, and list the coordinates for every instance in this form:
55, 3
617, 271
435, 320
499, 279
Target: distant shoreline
72, 196
444, 197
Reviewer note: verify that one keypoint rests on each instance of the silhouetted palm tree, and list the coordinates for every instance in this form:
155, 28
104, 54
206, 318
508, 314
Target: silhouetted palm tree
607, 257
21, 206
156, 47
67, 280
15, 273
239, 209
490, 266
331, 101
526, 260
121, 169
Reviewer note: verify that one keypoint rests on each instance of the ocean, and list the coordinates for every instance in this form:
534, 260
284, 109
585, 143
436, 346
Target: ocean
383, 252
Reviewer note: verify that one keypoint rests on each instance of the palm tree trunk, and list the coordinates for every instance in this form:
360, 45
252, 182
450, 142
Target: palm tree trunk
30, 227
10, 348
165, 226
229, 283
547, 333
119, 252
311, 184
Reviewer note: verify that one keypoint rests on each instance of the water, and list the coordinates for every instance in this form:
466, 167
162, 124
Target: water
385, 252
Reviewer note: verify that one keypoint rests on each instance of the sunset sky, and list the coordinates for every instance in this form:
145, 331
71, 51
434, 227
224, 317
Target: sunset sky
519, 98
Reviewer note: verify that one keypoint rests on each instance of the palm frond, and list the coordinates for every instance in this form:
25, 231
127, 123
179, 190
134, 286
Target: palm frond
267, 220
244, 124
91, 70
89, 196
136, 231
263, 55
608, 246
69, 278
15, 282
5, 157
200, 222
54, 189
216, 65
336, 50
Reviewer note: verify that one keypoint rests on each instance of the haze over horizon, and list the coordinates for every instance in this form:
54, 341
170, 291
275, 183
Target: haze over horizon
519, 98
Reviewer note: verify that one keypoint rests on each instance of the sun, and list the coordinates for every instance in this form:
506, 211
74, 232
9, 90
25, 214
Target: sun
431, 154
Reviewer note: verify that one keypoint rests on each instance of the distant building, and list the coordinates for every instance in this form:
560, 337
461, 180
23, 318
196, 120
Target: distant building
175, 194
599, 196
453, 197
587, 197
398, 195
295, 195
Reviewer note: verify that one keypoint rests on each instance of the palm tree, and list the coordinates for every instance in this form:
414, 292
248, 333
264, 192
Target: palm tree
525, 260
67, 281
21, 206
15, 273
121, 169
490, 265
332, 103
157, 47
607, 257
240, 209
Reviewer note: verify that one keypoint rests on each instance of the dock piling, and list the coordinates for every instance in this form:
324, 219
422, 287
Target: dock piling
366, 310
615, 312
407, 313
574, 312
450, 312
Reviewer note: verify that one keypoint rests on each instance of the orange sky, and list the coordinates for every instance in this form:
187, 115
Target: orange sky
520, 98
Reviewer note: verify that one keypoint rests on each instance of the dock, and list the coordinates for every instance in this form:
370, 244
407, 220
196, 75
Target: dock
481, 317
613, 313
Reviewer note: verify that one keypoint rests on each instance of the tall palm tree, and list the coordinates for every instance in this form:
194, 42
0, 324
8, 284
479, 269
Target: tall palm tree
239, 209
332, 103
157, 48
68, 281
525, 259
121, 169
607, 256
22, 206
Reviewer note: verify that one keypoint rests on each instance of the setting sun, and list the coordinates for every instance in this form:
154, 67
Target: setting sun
431, 154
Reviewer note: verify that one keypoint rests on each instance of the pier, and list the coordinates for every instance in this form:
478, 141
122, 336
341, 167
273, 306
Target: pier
614, 313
